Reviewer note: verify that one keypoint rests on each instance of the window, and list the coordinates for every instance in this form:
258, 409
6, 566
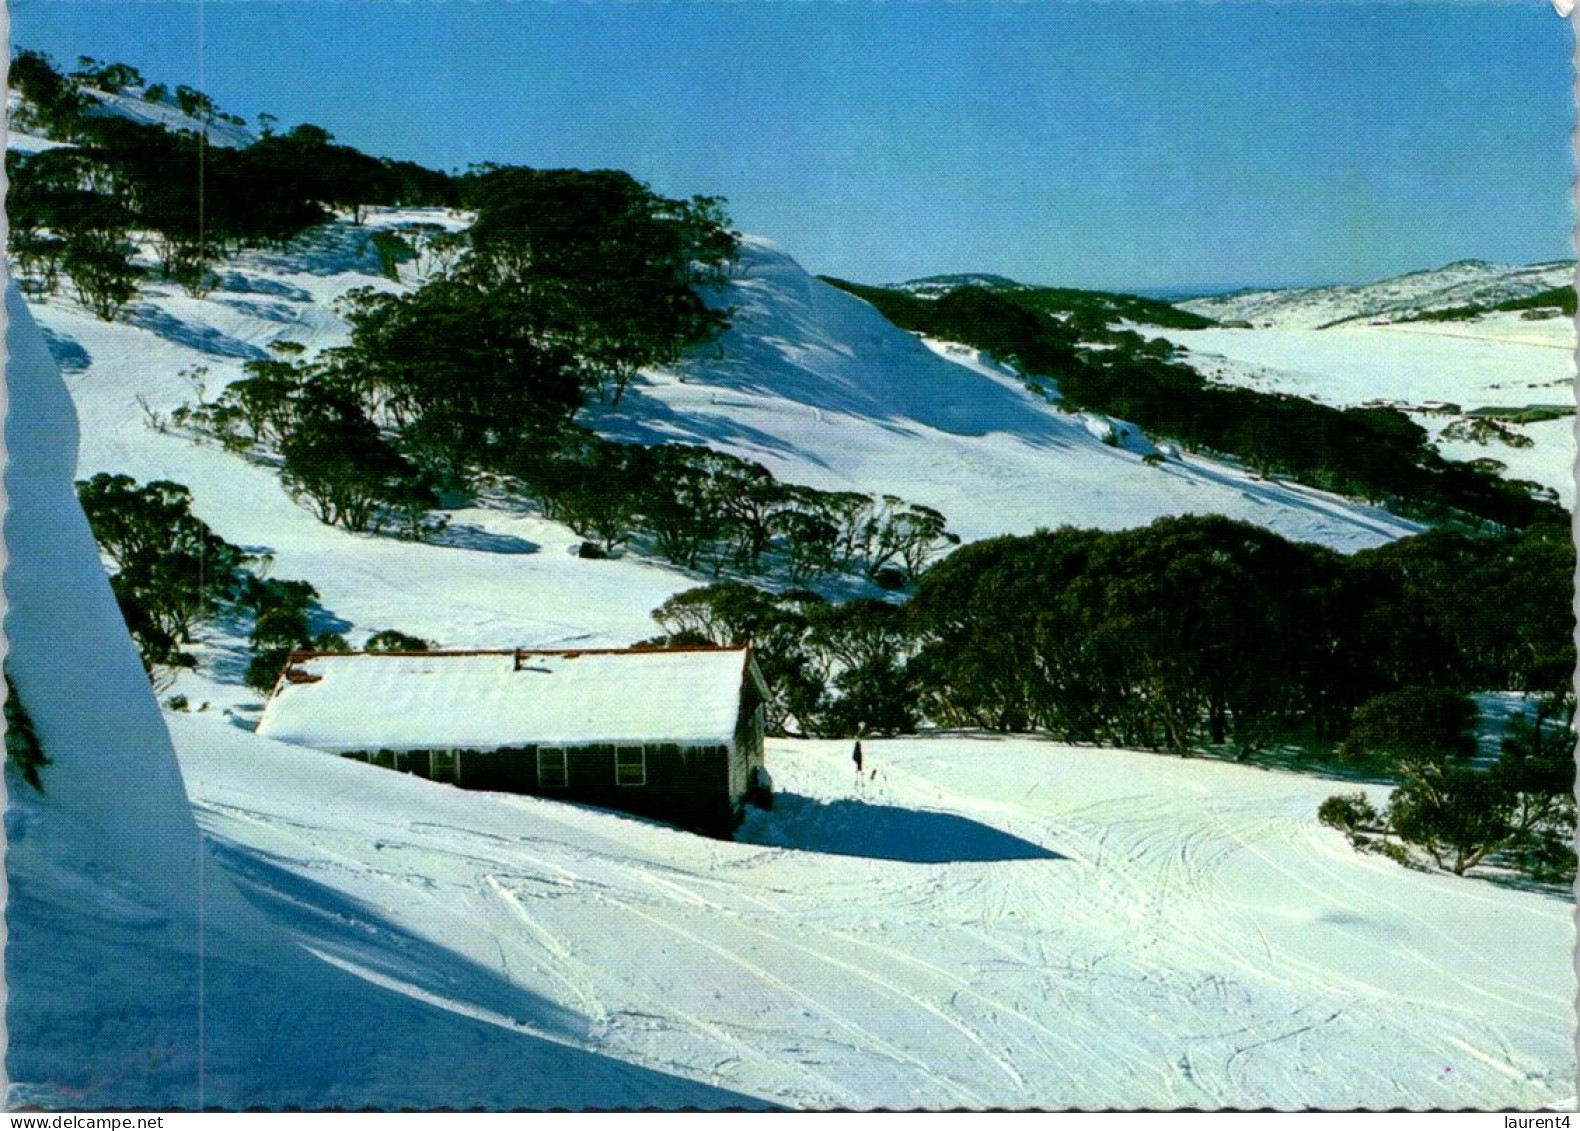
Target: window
630, 765
551, 768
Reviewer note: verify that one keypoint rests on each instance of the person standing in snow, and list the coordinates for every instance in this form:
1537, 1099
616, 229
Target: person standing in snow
856, 757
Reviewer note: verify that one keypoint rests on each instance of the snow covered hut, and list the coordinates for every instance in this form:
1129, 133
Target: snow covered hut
675, 734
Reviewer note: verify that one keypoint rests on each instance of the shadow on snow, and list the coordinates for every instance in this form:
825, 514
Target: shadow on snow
68, 353
850, 827
445, 1030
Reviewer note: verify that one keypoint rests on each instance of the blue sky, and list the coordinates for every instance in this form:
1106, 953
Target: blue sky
1173, 145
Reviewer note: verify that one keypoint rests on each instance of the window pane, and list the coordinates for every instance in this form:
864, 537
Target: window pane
551, 769
630, 766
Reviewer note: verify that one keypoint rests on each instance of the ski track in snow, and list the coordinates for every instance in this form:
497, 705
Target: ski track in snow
1189, 937
1086, 928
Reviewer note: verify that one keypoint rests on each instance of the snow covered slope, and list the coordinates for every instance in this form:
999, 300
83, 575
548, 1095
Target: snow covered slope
497, 578
1497, 359
136, 974
1470, 282
132, 105
989, 922
811, 381
816, 385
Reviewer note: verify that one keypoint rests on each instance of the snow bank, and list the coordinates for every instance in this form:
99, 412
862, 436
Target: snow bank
137, 975
114, 774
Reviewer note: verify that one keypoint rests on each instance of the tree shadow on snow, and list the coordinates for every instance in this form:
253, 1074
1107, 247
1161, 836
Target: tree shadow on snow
850, 827
466, 537
67, 352
204, 339
237, 283
328, 249
265, 310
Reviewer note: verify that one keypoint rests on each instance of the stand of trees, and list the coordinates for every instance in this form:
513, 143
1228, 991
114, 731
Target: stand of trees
702, 509
832, 670
75, 211
1377, 454
171, 573
1191, 632
1518, 811
1205, 630
567, 283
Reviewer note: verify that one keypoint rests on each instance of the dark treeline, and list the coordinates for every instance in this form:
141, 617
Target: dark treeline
566, 283
76, 211
1204, 630
1377, 454
1187, 633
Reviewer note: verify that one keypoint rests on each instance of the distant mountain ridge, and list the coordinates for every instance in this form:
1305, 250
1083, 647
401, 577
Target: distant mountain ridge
1065, 303
930, 286
1465, 285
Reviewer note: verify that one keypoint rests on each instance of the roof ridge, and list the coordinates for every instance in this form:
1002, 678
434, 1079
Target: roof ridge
648, 650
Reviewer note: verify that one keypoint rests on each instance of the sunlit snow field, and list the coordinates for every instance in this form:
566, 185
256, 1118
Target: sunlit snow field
987, 922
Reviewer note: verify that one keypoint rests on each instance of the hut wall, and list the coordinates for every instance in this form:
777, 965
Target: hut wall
688, 785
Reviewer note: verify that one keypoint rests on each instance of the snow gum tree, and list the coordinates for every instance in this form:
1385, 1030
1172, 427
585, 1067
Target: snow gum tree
171, 570
1458, 815
338, 464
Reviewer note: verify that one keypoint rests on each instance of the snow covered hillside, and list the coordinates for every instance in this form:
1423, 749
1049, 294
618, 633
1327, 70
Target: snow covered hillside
1494, 360
810, 381
1470, 282
133, 105
136, 974
816, 385
986, 922
989, 922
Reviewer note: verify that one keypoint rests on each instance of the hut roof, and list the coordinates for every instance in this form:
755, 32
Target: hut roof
487, 700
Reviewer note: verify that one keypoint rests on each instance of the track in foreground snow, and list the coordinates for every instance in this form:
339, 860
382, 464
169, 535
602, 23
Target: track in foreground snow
989, 922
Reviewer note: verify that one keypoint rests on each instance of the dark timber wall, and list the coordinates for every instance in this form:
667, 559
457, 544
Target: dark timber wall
687, 785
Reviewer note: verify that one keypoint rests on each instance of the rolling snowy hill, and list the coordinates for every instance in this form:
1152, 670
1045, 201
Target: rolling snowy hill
984, 922
1470, 282
1499, 359
989, 922
810, 381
